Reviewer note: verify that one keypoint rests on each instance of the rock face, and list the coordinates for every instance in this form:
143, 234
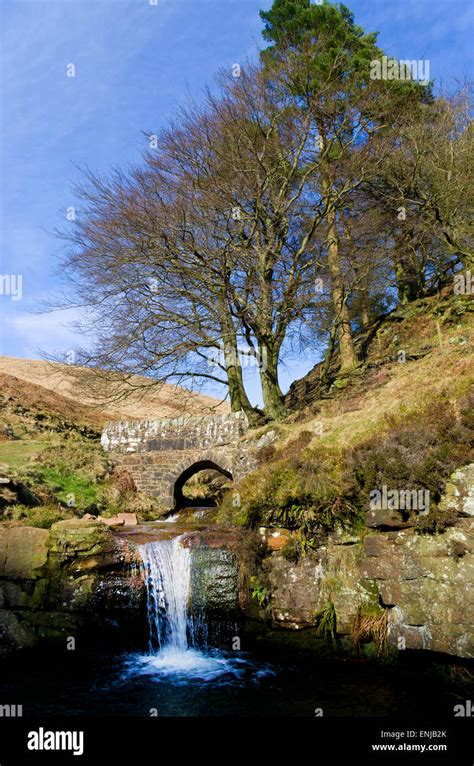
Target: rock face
76, 577
459, 493
22, 551
427, 586
425, 583
214, 581
330, 574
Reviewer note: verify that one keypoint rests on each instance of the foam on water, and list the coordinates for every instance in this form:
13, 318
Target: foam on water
167, 569
172, 653
186, 666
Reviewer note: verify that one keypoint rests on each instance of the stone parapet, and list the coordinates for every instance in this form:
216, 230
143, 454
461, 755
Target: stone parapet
129, 436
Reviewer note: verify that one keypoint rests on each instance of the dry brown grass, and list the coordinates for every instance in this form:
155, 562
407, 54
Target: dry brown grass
148, 401
370, 627
373, 399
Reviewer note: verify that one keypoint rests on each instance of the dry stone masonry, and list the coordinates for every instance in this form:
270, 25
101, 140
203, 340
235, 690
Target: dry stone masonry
162, 454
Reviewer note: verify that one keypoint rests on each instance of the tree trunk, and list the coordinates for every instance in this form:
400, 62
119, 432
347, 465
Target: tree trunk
347, 352
408, 282
273, 399
239, 400
365, 308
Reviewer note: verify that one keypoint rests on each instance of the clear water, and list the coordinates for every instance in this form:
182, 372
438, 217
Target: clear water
217, 683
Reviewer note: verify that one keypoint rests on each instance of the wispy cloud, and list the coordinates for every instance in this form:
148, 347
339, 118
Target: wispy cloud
37, 335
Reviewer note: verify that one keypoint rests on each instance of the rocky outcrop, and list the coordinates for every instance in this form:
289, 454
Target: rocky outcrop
459, 492
214, 580
81, 579
75, 578
424, 582
329, 574
23, 551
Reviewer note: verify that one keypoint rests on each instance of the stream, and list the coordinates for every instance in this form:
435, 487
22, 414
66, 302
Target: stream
179, 674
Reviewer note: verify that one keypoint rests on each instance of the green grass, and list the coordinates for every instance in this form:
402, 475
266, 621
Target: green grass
72, 487
325, 622
16, 454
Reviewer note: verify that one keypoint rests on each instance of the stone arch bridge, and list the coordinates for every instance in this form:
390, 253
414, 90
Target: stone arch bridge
162, 455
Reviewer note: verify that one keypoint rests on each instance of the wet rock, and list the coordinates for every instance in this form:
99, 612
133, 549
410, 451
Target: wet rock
214, 580
54, 625
72, 593
13, 635
24, 594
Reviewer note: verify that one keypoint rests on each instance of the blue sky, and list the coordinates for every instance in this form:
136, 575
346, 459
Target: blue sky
135, 63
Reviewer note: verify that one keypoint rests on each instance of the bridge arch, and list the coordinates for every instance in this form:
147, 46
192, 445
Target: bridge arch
192, 465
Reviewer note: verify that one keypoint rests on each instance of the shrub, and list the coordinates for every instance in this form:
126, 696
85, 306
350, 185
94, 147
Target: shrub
39, 516
419, 453
307, 492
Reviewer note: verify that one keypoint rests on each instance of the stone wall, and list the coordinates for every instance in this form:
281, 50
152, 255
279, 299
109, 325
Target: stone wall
156, 473
129, 436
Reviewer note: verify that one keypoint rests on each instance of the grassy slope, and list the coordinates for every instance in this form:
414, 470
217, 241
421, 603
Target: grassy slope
33, 417
408, 424
144, 398
50, 445
439, 364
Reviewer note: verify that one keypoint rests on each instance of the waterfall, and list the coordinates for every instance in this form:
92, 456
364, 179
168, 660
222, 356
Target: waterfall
178, 643
167, 569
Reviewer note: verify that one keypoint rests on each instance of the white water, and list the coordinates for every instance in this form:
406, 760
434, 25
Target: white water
166, 565
170, 519
167, 569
